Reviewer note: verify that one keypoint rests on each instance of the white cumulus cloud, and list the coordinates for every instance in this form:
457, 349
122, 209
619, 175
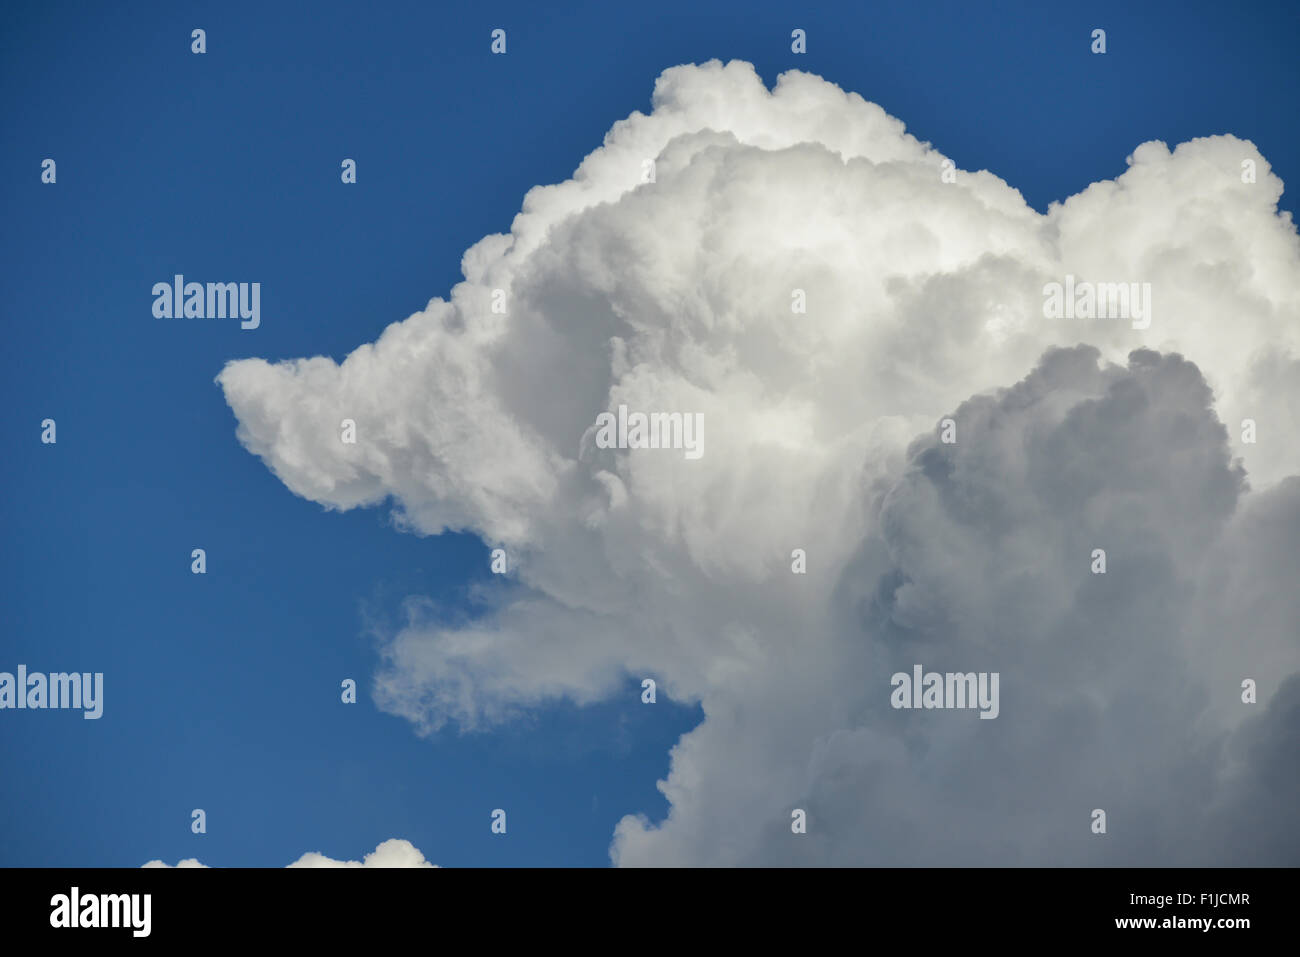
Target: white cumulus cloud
394, 852
924, 301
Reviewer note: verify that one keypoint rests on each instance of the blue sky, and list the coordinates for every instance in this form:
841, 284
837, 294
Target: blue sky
222, 691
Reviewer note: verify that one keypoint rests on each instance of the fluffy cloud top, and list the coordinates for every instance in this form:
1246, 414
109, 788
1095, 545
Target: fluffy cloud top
924, 301
184, 862
394, 852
